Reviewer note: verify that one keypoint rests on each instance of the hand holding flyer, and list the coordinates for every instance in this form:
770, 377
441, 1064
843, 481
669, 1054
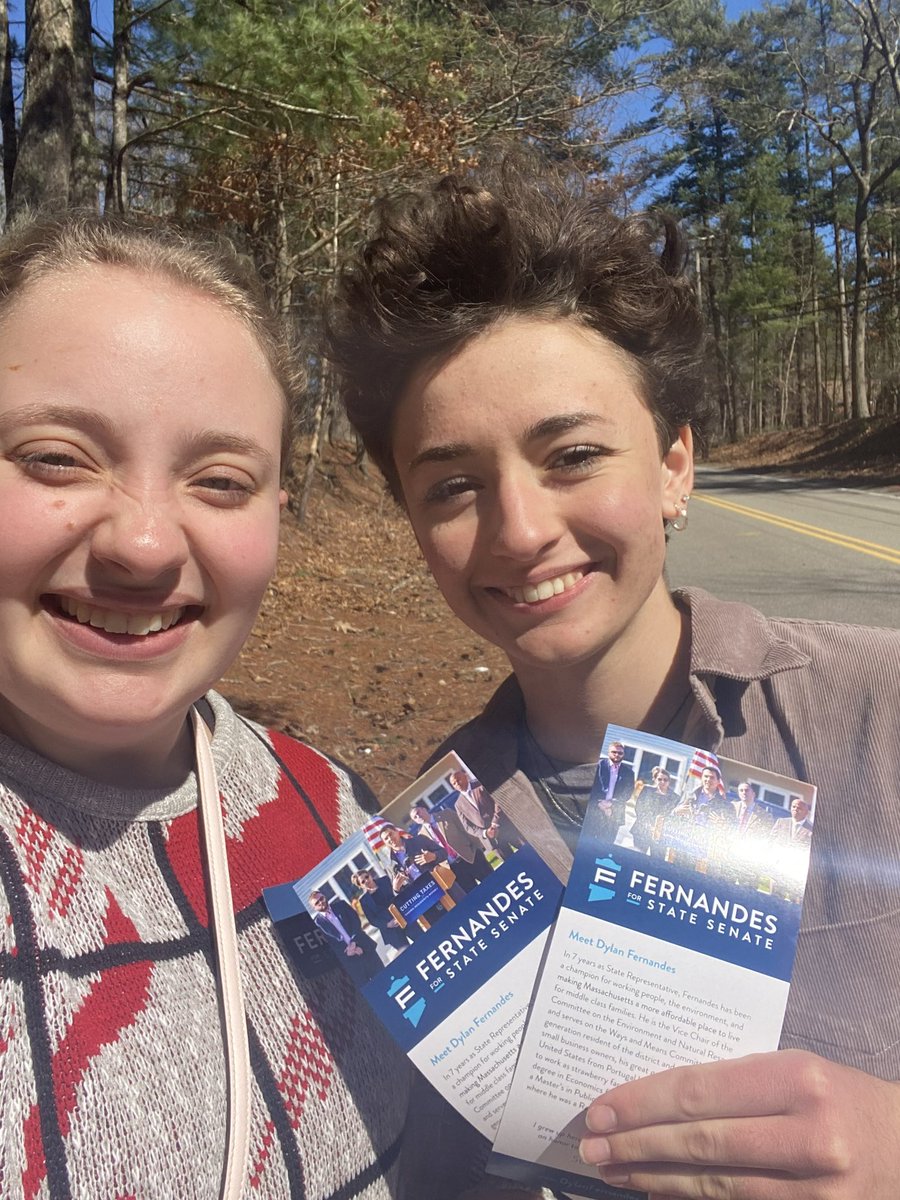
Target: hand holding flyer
760, 1109
674, 946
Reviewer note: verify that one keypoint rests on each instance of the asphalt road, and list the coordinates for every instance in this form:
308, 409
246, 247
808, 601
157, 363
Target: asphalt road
791, 547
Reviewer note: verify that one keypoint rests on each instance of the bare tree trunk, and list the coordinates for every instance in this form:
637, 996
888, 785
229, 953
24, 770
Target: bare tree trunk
892, 361
846, 388
7, 109
322, 406
843, 321
820, 400
117, 169
818, 378
283, 273
720, 340
277, 265
860, 392
83, 188
786, 377
44, 163
326, 388
754, 379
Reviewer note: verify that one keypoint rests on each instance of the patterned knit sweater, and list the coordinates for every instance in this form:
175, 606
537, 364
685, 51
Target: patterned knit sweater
112, 1079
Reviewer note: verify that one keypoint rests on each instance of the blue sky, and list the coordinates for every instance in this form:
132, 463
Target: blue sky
102, 11
630, 108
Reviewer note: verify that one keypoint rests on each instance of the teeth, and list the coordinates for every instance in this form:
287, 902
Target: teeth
137, 624
143, 625
114, 622
536, 592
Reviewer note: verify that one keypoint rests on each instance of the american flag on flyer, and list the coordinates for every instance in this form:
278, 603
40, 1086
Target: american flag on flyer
373, 832
701, 760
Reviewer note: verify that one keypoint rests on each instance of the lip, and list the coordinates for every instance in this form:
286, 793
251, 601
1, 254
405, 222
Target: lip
552, 603
98, 642
122, 601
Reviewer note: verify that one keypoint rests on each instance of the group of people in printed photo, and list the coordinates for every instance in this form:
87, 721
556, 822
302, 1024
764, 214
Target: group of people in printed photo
452, 842
705, 817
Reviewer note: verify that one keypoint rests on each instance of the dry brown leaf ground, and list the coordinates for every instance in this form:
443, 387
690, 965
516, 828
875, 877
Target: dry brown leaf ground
355, 651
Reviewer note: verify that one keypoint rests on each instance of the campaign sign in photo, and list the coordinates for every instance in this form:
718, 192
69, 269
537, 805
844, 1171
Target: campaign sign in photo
439, 912
674, 944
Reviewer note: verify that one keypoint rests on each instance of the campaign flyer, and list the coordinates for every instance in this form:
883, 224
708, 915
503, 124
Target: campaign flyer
439, 912
674, 943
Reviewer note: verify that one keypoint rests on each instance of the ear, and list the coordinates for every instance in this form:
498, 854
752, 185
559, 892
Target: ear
677, 472
282, 499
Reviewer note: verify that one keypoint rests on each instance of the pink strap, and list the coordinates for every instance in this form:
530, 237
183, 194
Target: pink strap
228, 973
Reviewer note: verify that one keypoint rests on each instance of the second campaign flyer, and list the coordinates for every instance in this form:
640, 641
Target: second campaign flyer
674, 944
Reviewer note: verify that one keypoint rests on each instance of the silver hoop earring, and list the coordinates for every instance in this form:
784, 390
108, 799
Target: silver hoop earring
679, 522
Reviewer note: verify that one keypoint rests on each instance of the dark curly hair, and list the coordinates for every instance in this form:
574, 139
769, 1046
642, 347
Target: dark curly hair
519, 237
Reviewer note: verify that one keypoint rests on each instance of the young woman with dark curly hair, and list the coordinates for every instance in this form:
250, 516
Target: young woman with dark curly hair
524, 366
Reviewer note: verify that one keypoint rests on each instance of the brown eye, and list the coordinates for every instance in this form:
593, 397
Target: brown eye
579, 458
448, 489
224, 490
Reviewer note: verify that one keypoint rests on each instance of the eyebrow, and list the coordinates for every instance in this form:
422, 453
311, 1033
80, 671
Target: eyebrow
562, 423
206, 441
445, 453
73, 416
546, 427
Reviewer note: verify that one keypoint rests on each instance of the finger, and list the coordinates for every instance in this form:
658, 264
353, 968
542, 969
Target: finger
662, 1182
777, 1144
758, 1085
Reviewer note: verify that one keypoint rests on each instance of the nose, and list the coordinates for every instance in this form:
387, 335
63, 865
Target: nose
143, 536
524, 519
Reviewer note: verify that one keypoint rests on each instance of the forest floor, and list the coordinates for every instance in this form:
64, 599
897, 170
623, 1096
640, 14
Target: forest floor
354, 649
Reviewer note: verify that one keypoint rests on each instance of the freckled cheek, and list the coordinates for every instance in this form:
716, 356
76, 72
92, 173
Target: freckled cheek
32, 539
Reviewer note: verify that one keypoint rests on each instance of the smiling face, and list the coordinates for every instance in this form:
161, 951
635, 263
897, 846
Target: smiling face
393, 837
532, 475
140, 429
799, 808
709, 781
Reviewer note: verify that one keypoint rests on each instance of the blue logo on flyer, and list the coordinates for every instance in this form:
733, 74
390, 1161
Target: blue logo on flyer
606, 876
411, 1005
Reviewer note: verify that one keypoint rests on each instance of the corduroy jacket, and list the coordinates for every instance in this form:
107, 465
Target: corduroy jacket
816, 701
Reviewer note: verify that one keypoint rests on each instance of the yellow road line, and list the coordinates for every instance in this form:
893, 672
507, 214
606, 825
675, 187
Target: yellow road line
886, 553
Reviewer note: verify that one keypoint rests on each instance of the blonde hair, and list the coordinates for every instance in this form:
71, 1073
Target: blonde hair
35, 248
